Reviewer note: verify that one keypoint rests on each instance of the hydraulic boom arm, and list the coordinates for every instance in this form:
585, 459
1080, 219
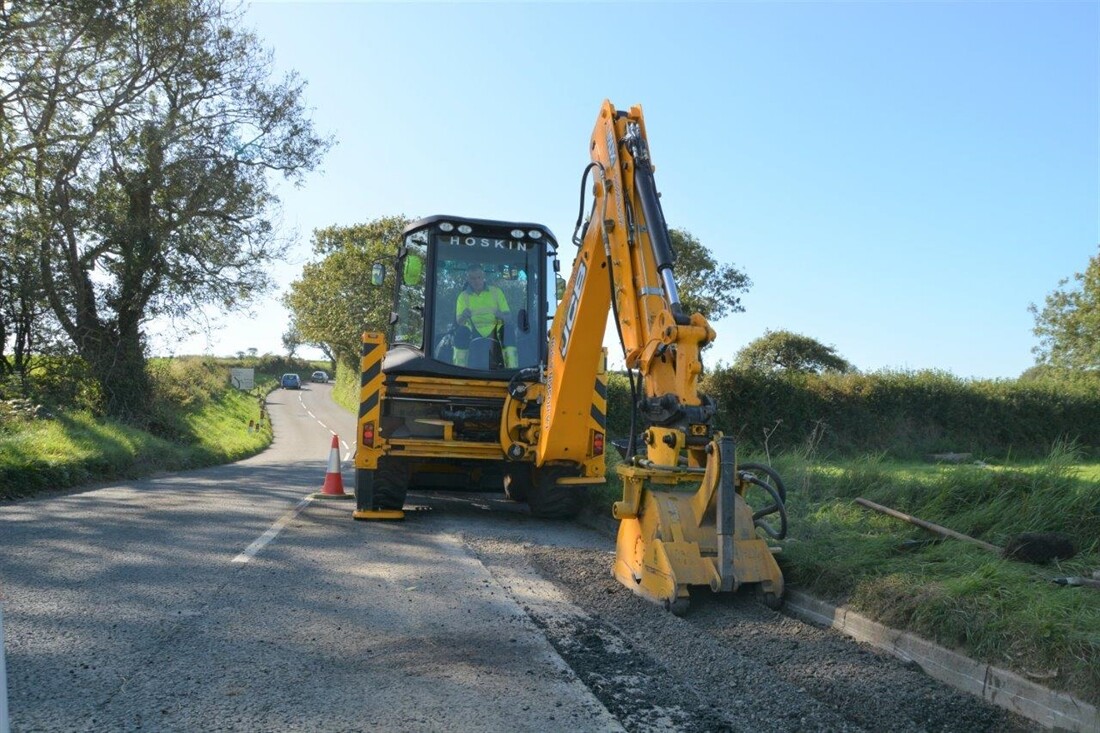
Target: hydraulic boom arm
684, 519
626, 262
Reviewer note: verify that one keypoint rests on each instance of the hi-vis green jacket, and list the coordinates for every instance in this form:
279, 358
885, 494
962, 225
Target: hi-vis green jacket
483, 307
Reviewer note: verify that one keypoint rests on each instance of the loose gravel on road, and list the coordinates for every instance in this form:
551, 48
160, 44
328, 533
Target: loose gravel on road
730, 664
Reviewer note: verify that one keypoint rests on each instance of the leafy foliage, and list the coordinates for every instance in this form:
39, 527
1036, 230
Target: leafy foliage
906, 413
139, 137
25, 325
705, 286
902, 414
785, 351
1068, 326
333, 301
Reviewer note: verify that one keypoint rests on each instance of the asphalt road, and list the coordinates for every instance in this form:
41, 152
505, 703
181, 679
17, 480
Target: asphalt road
135, 607
220, 600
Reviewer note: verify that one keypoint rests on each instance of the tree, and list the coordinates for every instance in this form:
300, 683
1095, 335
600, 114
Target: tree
1068, 326
20, 306
777, 351
141, 134
292, 341
705, 286
333, 301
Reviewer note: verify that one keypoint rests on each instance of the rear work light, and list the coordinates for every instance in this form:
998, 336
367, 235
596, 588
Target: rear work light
597, 443
368, 434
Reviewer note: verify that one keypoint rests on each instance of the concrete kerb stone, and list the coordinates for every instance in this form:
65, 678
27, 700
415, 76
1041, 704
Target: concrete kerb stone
1051, 709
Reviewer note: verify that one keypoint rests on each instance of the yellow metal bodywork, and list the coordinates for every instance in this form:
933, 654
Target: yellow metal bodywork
376, 515
374, 391
665, 352
523, 431
515, 428
371, 392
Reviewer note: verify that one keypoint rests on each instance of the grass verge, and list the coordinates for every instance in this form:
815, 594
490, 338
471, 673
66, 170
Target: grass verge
74, 447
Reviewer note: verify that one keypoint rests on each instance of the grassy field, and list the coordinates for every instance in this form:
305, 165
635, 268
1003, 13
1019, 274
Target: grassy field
1001, 611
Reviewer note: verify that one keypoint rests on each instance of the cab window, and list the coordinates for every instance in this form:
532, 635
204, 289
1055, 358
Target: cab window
408, 327
492, 286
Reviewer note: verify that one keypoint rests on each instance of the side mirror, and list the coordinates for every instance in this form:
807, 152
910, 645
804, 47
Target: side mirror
560, 282
377, 274
412, 269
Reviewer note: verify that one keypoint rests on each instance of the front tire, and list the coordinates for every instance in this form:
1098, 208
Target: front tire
551, 500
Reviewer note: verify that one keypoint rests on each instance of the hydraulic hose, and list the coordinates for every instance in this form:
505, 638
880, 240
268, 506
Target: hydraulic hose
771, 474
527, 374
578, 231
776, 506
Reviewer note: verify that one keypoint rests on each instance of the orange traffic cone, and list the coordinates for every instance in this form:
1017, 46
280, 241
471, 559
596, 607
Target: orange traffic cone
334, 482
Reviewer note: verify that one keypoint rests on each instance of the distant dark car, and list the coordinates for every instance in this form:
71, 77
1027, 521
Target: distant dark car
319, 376
290, 381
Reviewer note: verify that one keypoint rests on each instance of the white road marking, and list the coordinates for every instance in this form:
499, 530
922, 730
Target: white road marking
272, 532
347, 449
303, 404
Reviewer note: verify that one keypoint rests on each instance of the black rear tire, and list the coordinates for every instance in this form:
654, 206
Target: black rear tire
550, 500
391, 483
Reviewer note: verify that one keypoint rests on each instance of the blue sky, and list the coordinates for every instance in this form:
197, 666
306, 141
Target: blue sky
899, 180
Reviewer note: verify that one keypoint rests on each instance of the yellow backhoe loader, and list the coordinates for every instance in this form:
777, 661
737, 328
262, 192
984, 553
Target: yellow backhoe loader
474, 384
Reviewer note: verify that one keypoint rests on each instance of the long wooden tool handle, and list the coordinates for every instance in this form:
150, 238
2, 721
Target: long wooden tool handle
943, 531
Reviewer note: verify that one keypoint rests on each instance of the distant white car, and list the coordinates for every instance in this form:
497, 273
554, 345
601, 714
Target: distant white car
319, 376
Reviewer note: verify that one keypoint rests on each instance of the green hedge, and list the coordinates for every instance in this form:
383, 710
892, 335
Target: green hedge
904, 414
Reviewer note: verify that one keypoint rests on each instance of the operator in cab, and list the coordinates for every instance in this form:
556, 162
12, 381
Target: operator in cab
482, 310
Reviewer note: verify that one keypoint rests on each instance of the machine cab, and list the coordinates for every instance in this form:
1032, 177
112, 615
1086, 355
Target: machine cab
470, 297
